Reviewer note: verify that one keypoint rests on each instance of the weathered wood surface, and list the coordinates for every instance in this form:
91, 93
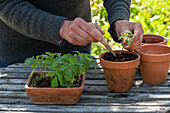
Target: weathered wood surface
95, 97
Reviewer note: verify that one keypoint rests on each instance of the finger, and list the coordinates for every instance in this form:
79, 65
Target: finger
82, 33
138, 32
75, 37
90, 30
137, 43
100, 29
75, 42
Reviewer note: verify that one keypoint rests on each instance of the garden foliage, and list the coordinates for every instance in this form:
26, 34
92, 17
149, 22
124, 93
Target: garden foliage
154, 15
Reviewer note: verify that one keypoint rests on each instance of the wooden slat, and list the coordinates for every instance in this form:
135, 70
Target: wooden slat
96, 89
89, 75
137, 83
78, 108
97, 102
84, 96
113, 98
13, 94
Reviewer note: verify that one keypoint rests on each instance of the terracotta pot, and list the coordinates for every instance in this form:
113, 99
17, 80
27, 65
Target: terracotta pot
54, 95
154, 39
119, 75
155, 62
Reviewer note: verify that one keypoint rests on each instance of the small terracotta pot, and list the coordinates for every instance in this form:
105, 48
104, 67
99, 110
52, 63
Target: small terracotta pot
119, 75
154, 39
54, 95
155, 62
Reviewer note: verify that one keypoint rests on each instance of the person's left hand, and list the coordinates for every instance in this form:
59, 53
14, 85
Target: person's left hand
136, 28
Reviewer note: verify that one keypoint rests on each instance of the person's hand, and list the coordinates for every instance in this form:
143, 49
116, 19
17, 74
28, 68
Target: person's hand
80, 32
136, 28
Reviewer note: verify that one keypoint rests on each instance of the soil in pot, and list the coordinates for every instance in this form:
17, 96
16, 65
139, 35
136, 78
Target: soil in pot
120, 57
45, 82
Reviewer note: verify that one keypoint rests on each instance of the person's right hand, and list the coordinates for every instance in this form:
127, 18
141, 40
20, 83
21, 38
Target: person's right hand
80, 32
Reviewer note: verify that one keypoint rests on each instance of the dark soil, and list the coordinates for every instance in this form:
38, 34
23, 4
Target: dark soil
45, 82
154, 40
120, 57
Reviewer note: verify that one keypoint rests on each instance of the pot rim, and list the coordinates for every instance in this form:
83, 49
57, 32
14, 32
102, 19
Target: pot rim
137, 50
120, 62
164, 38
82, 84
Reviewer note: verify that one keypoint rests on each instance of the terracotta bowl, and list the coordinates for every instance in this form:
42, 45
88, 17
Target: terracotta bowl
54, 95
154, 63
154, 39
119, 75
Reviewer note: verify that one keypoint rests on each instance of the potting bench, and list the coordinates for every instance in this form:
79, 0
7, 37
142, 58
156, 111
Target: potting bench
95, 97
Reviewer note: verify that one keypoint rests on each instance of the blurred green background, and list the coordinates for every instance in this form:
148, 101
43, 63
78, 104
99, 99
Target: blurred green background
154, 15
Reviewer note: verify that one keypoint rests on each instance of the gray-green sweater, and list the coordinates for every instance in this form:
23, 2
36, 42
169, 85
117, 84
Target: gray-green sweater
31, 27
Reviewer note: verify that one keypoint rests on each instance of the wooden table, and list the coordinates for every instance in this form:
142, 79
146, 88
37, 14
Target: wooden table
95, 97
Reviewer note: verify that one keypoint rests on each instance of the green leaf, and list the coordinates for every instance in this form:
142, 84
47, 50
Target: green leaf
58, 54
64, 67
28, 61
54, 83
81, 69
128, 43
57, 61
74, 68
94, 64
132, 40
47, 62
48, 53
51, 74
34, 65
45, 56
51, 67
60, 76
120, 37
68, 74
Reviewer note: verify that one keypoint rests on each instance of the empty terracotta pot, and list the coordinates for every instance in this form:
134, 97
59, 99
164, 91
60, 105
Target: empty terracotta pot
119, 75
154, 39
155, 62
54, 95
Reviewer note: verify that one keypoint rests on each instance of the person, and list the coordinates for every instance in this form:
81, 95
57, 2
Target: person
32, 27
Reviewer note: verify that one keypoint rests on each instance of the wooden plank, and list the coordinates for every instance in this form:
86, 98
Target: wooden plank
78, 108
104, 89
142, 96
97, 102
13, 94
15, 101
14, 75
18, 112
13, 81
25, 75
108, 96
96, 89
87, 82
121, 100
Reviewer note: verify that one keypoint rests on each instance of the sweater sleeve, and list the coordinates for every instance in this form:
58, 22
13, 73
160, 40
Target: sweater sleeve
30, 21
117, 10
